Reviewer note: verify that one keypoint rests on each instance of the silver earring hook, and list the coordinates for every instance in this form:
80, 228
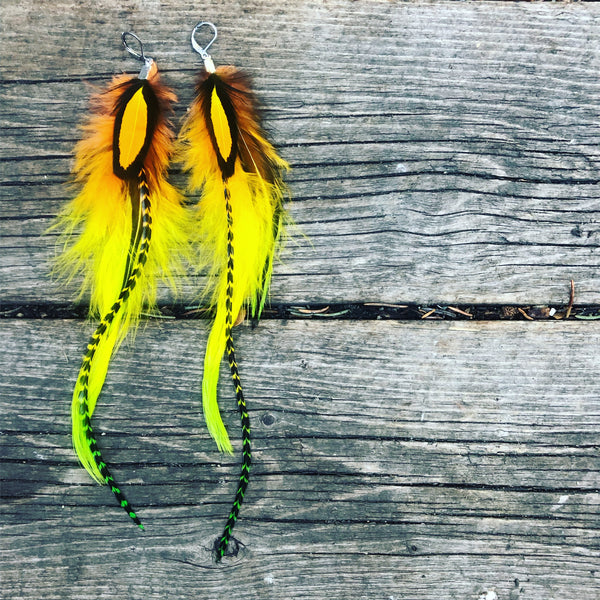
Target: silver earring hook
202, 50
138, 55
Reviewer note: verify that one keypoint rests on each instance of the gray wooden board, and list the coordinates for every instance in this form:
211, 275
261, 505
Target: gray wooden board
441, 151
391, 460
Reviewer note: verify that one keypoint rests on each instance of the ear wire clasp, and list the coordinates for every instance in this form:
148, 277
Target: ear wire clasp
148, 62
209, 65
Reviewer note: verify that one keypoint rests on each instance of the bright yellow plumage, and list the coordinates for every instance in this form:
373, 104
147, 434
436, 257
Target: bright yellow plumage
220, 125
237, 248
132, 133
252, 215
99, 239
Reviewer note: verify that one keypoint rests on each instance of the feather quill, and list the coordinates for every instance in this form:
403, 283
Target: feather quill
239, 223
125, 228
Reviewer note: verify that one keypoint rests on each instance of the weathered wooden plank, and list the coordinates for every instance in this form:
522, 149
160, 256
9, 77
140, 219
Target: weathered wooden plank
391, 459
441, 151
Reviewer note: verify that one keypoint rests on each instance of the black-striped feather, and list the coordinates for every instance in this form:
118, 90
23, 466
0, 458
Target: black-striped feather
237, 384
136, 260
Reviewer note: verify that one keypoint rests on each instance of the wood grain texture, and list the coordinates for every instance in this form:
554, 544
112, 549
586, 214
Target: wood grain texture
441, 151
391, 460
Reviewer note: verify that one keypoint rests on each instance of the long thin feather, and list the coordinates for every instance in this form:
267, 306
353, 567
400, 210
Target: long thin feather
124, 204
239, 222
257, 193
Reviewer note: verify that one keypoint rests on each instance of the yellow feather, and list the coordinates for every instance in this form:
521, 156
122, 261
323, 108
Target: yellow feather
133, 128
97, 376
252, 215
255, 204
97, 232
104, 231
99, 253
221, 126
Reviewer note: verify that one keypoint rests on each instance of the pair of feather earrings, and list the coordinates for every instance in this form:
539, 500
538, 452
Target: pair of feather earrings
135, 230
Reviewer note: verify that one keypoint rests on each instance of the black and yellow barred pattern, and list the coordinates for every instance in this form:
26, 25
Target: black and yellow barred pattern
240, 175
246, 452
141, 234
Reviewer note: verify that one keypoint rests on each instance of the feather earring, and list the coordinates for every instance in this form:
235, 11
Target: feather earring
133, 227
239, 223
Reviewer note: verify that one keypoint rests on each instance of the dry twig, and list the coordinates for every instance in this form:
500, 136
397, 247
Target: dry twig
571, 300
525, 314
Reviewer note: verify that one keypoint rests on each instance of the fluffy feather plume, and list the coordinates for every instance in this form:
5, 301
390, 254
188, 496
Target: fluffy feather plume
239, 222
224, 148
126, 226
